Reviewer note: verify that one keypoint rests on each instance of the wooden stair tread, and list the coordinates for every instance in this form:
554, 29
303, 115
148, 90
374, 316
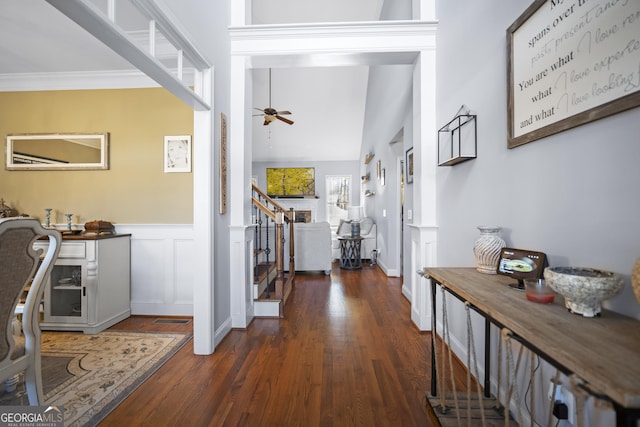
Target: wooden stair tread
261, 271
288, 283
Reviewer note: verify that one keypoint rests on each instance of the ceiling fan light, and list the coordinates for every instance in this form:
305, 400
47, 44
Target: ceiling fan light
270, 113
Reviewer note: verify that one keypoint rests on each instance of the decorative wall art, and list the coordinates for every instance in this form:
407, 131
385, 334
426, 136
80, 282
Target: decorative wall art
458, 139
569, 63
379, 170
223, 163
291, 182
409, 165
177, 153
368, 158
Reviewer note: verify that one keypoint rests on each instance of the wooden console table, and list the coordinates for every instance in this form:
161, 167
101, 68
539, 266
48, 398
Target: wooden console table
604, 352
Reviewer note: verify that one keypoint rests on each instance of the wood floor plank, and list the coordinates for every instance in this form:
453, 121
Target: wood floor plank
345, 354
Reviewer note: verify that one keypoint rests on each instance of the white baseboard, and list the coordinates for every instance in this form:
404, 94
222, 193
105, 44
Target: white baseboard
157, 309
222, 332
406, 291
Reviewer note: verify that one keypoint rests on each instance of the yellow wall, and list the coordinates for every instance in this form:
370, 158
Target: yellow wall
135, 189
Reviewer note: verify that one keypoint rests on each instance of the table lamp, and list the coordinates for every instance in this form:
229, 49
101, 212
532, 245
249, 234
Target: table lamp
354, 214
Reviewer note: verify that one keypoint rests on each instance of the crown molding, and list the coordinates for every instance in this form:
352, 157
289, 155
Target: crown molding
77, 80
339, 38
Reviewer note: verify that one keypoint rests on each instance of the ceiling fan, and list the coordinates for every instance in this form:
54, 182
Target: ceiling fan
271, 114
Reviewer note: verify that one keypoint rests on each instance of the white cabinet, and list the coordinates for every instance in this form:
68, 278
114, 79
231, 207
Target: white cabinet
90, 285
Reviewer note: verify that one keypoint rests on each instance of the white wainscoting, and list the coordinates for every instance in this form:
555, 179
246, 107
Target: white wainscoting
161, 268
423, 254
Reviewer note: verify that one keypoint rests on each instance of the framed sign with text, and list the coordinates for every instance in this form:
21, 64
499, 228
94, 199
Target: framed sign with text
571, 62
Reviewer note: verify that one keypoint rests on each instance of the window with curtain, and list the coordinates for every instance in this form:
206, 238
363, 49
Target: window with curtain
338, 188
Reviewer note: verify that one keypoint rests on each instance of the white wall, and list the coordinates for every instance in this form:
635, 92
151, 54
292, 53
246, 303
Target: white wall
206, 25
387, 108
388, 112
573, 195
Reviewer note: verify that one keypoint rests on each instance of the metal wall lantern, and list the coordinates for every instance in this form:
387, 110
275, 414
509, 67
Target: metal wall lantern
457, 140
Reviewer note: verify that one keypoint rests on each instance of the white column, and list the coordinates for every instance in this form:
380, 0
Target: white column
424, 234
240, 12
424, 247
425, 139
424, 10
239, 201
203, 185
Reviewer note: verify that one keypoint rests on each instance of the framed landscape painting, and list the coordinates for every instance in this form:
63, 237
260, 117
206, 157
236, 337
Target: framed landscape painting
291, 182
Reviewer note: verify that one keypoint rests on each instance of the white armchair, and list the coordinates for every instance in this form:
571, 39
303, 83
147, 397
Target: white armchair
368, 231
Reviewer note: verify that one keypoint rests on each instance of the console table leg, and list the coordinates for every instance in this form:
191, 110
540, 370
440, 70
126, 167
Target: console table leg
434, 384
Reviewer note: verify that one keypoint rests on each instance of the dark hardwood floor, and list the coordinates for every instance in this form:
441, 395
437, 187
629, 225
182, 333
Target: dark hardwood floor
345, 354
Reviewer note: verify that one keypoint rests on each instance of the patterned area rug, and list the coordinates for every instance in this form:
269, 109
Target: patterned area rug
89, 375
467, 413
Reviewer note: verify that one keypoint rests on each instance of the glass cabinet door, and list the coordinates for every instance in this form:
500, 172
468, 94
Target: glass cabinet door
66, 295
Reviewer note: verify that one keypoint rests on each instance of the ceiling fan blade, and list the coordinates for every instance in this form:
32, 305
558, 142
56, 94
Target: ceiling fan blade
287, 121
271, 114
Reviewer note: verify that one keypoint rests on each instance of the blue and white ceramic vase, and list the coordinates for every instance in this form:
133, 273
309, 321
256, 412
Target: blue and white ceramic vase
487, 249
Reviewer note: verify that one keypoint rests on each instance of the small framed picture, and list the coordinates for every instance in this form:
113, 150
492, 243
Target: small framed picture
177, 153
409, 165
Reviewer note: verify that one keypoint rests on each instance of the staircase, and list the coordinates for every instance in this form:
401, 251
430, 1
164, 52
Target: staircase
271, 284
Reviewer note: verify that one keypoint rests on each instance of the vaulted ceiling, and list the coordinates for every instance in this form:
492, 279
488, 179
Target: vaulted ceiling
327, 103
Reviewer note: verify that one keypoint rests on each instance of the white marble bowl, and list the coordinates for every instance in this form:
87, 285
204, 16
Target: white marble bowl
583, 289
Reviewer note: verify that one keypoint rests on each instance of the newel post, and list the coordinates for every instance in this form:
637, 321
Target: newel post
292, 255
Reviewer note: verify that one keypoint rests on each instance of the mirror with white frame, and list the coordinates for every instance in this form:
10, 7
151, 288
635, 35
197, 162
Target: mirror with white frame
61, 151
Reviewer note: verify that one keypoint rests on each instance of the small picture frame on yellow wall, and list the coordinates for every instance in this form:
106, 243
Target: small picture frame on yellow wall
177, 153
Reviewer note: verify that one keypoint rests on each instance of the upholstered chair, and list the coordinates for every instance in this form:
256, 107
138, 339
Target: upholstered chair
20, 265
368, 230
